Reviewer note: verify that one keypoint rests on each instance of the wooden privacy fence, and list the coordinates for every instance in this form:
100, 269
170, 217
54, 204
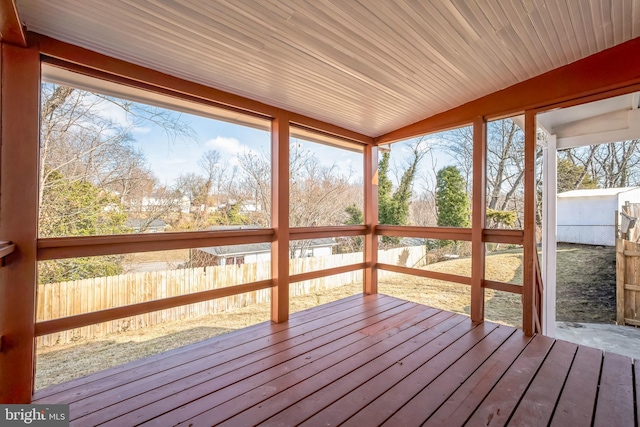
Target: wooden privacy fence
627, 282
57, 300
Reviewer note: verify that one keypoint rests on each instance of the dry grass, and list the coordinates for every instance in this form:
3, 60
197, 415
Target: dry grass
63, 362
501, 307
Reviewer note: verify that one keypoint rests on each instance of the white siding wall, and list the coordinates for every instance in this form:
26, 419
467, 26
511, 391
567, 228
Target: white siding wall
587, 220
591, 220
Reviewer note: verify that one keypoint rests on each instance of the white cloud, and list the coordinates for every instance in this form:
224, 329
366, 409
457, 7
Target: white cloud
228, 146
114, 113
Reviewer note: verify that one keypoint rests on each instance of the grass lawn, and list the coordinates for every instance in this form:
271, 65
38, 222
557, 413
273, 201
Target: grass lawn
586, 279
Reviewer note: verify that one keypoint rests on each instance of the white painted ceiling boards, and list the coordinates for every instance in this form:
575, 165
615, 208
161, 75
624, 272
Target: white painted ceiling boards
371, 65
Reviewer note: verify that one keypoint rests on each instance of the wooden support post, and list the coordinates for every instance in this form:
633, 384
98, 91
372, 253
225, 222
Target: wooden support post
621, 268
370, 285
478, 218
529, 239
280, 219
19, 208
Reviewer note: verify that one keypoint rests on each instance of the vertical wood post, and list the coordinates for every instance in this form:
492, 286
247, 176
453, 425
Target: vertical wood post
621, 270
370, 285
478, 221
280, 218
19, 107
529, 241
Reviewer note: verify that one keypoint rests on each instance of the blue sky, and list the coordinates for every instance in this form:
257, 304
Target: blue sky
169, 159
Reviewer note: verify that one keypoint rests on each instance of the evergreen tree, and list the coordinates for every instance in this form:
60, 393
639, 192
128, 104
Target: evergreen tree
79, 208
354, 217
573, 177
451, 198
393, 206
385, 187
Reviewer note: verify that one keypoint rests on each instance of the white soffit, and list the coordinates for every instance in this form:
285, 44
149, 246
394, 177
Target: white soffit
369, 66
599, 122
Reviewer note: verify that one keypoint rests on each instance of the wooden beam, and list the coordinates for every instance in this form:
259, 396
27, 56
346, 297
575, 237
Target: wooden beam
610, 69
302, 233
502, 286
70, 247
6, 248
513, 237
443, 233
116, 69
310, 275
86, 319
19, 206
11, 30
529, 241
478, 219
370, 282
280, 219
436, 275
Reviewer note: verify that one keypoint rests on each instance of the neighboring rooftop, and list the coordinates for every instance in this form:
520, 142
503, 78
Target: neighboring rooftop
597, 192
253, 248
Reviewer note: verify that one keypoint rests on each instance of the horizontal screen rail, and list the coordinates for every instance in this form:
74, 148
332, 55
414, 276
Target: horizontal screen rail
326, 272
515, 237
71, 247
436, 275
451, 233
86, 319
303, 233
6, 248
442, 233
502, 286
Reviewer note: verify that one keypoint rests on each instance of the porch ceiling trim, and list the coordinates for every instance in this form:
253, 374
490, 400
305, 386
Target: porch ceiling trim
11, 30
611, 69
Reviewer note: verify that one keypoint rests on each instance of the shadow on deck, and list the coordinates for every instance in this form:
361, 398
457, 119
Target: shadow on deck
363, 361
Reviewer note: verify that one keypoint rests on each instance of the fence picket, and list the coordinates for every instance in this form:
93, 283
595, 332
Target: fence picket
63, 299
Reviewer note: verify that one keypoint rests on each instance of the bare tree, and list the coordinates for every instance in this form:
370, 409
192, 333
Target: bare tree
610, 165
81, 142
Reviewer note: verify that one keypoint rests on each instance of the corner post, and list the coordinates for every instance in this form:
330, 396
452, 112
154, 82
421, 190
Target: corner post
19, 139
280, 218
478, 221
529, 241
370, 285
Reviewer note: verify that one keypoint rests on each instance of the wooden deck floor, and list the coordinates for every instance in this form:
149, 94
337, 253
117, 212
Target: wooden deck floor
363, 361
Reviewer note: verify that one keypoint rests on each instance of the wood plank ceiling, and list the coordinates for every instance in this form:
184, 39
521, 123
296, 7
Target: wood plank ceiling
368, 66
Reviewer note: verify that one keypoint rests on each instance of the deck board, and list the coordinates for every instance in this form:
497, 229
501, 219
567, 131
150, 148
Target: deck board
615, 405
538, 403
462, 403
577, 401
419, 408
200, 379
363, 360
194, 369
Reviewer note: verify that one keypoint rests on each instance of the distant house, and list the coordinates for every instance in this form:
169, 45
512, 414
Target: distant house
589, 216
244, 208
255, 252
155, 201
155, 226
